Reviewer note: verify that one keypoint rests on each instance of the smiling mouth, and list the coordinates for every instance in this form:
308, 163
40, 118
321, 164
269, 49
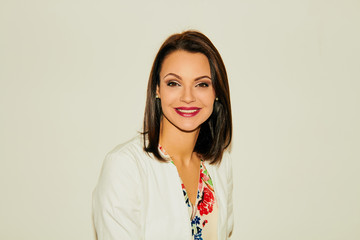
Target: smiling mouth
187, 112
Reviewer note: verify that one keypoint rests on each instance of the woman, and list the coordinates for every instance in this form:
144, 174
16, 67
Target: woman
174, 181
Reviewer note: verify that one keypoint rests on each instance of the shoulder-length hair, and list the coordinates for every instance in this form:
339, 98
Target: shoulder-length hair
216, 132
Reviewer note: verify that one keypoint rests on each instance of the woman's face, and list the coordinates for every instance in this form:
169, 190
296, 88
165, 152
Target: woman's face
186, 91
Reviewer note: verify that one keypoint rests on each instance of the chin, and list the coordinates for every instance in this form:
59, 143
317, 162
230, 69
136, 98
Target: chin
188, 129
189, 126
183, 126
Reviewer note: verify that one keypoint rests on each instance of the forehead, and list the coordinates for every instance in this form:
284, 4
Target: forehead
183, 62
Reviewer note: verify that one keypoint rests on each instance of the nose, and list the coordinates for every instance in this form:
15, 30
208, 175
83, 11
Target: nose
187, 95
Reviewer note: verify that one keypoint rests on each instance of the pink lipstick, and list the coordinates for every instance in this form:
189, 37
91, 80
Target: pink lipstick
187, 111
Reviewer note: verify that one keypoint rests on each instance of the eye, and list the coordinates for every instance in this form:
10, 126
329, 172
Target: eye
172, 84
203, 84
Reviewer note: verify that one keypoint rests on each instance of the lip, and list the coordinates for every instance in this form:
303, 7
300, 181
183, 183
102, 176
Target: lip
187, 111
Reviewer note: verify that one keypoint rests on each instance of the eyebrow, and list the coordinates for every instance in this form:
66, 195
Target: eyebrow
201, 77
173, 74
177, 76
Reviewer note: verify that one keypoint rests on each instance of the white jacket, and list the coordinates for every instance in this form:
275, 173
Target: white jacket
139, 197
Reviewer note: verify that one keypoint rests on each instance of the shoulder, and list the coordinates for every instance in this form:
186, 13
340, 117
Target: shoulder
225, 162
227, 159
226, 156
133, 147
124, 164
122, 171
126, 154
221, 171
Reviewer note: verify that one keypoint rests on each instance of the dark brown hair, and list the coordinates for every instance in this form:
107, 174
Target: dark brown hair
215, 133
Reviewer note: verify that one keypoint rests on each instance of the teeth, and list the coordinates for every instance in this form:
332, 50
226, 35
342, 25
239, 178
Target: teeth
187, 111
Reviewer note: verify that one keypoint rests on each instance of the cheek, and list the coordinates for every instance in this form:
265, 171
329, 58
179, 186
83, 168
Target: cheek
211, 109
168, 101
167, 98
207, 98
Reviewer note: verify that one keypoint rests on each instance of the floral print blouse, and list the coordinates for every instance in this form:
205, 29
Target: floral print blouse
203, 215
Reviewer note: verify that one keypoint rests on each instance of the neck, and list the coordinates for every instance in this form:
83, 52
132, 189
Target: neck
178, 144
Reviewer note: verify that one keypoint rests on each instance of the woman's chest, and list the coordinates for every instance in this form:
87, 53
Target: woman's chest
166, 212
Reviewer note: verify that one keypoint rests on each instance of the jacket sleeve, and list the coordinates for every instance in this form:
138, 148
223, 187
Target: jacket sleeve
230, 212
117, 199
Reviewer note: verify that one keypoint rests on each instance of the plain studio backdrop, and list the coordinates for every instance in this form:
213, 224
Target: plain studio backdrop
73, 78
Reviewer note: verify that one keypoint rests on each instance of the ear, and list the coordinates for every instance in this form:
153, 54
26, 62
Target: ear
158, 91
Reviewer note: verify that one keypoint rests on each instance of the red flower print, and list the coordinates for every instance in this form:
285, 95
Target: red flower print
204, 222
202, 175
206, 204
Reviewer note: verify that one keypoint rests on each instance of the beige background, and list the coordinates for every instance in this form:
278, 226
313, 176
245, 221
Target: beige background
73, 77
